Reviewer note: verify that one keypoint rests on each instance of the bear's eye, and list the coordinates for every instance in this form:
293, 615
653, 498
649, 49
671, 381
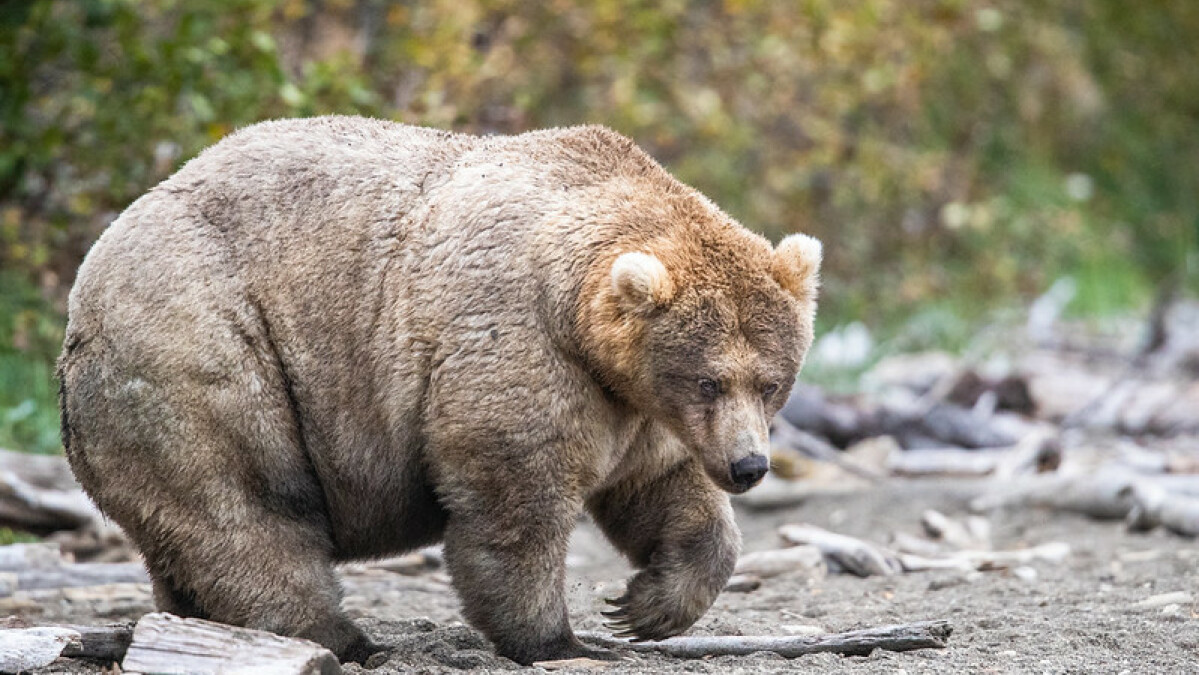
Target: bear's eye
770, 389
709, 388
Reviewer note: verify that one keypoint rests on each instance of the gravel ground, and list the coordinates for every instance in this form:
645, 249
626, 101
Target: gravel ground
1080, 615
1076, 616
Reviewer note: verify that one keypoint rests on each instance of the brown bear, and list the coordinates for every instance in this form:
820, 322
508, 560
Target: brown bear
338, 338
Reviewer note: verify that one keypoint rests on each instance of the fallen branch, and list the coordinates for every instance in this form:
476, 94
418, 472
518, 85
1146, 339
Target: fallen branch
898, 638
167, 643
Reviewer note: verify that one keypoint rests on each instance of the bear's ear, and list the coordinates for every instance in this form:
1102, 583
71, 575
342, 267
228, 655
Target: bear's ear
796, 266
641, 281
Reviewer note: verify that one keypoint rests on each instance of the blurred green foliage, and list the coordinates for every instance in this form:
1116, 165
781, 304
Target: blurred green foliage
952, 154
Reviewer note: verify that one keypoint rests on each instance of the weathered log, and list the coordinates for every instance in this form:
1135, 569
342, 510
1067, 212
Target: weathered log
914, 422
412, 564
49, 472
27, 506
787, 435
777, 493
898, 638
81, 574
1099, 495
1038, 452
765, 564
941, 424
164, 643
842, 552
983, 560
107, 600
742, 583
1153, 505
809, 409
946, 561
24, 649
21, 557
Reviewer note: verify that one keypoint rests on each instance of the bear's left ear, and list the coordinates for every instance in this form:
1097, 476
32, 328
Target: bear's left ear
641, 281
796, 266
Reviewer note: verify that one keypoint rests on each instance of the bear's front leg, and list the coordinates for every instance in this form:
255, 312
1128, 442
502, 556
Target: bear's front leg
505, 547
678, 528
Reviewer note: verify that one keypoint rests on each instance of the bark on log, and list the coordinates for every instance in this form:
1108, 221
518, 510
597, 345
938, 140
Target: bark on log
164, 643
898, 638
104, 643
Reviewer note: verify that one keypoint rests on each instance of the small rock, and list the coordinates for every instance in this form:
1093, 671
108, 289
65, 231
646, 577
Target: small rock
1024, 573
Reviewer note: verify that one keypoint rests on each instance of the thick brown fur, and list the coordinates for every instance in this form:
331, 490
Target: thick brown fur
340, 338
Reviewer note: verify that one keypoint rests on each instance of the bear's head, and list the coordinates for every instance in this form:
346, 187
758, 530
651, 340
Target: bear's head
707, 337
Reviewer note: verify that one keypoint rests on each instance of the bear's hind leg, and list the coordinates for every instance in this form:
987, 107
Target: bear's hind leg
506, 554
239, 563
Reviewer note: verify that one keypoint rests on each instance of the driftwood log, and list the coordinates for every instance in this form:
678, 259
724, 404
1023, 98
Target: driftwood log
787, 435
24, 649
898, 638
48, 472
1038, 452
26, 567
75, 575
842, 552
1152, 505
765, 564
914, 423
164, 643
1105, 495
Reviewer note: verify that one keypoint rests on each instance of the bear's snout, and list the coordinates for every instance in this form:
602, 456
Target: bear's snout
747, 471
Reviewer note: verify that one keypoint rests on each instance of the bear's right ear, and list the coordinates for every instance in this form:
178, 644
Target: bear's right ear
641, 281
796, 266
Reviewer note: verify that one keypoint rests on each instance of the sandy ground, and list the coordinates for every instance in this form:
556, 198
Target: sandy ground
1077, 616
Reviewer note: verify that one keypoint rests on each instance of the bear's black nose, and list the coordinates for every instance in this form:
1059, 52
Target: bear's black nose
747, 471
